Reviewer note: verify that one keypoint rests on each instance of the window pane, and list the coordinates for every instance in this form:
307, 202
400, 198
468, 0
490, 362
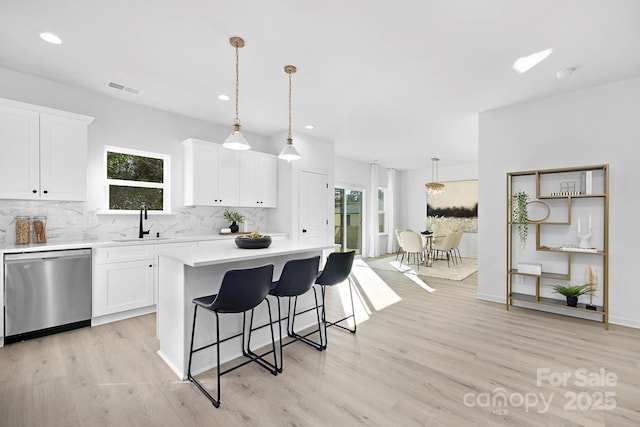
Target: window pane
134, 168
131, 198
380, 200
381, 223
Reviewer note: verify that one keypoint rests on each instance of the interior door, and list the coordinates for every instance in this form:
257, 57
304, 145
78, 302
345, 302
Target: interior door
314, 221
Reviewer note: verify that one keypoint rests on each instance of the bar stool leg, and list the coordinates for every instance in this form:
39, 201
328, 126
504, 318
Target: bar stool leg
259, 358
214, 401
291, 317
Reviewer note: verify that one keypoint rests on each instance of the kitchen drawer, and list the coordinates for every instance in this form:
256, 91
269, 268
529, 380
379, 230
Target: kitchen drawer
123, 253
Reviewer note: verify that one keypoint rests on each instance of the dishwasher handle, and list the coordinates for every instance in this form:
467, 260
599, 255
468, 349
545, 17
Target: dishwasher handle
30, 256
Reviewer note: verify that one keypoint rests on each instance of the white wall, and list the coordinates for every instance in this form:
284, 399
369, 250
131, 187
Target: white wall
413, 199
591, 126
126, 124
317, 156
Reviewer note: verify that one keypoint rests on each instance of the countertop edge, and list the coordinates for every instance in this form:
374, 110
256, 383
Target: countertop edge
91, 244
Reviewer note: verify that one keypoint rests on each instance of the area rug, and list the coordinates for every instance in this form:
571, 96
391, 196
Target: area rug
459, 271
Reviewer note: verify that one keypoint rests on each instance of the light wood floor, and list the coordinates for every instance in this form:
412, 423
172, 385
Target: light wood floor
431, 359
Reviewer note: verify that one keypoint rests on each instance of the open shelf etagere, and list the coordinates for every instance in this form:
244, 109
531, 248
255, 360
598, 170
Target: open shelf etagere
530, 290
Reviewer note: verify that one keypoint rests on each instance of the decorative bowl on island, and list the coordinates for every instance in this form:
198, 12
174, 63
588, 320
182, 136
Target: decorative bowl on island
253, 241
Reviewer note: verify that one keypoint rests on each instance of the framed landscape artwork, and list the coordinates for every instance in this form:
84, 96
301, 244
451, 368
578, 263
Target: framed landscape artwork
457, 207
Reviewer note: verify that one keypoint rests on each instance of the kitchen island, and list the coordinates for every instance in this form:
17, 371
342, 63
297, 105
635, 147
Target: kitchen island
185, 274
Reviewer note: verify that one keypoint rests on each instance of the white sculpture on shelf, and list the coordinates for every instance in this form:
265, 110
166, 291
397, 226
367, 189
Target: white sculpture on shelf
584, 238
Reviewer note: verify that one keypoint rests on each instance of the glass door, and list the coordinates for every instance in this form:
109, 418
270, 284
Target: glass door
348, 219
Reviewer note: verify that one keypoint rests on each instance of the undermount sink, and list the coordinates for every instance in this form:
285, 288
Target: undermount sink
136, 239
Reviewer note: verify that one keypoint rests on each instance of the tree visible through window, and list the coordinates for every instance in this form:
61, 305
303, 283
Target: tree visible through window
135, 178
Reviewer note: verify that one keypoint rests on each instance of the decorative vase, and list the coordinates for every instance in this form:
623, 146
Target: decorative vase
572, 301
234, 227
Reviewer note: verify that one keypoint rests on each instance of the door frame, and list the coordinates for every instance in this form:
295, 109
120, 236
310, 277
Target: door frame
363, 190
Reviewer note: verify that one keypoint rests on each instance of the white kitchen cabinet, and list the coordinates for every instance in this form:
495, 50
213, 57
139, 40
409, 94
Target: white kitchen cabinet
211, 174
258, 180
43, 153
122, 279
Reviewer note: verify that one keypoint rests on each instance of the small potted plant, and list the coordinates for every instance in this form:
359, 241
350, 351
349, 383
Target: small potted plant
234, 218
519, 214
572, 292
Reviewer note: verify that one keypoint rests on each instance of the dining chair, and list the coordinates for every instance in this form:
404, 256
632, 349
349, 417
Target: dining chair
443, 248
400, 250
412, 245
455, 250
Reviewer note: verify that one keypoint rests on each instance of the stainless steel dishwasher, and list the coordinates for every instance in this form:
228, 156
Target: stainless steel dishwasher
46, 292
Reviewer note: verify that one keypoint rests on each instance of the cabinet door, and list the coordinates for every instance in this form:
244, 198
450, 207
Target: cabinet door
211, 174
258, 180
201, 179
248, 173
19, 154
268, 183
227, 177
63, 158
122, 286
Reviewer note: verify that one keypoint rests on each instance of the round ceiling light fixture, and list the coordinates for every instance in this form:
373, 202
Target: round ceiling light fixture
50, 38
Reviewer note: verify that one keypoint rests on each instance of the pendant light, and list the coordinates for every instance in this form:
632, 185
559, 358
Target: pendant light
434, 188
289, 152
236, 140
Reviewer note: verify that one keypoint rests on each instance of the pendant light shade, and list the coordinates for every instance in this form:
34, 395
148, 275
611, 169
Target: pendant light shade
289, 152
236, 140
434, 188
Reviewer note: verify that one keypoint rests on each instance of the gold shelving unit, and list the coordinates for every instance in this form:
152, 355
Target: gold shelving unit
541, 182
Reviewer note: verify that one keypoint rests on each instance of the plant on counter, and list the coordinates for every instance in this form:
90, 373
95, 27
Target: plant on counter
234, 218
519, 214
572, 292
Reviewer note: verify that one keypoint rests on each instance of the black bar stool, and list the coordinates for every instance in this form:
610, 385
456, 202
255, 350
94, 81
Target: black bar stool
336, 270
240, 291
296, 279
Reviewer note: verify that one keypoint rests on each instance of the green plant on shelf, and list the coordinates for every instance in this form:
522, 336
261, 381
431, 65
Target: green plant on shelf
572, 291
519, 214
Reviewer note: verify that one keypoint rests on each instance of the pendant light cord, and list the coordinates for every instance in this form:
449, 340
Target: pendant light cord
289, 135
237, 120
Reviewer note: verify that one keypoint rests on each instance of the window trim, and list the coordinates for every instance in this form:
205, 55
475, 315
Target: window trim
165, 185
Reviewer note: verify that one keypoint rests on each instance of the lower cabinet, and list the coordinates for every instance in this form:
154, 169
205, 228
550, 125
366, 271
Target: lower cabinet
122, 279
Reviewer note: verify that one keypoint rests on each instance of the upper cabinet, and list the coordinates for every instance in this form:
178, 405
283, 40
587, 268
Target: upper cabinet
258, 180
211, 174
43, 153
216, 176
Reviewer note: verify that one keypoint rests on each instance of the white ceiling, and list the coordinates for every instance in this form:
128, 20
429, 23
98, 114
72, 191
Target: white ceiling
394, 81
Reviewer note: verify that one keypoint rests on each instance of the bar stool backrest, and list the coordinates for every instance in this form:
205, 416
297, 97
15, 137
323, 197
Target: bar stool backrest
242, 290
337, 268
297, 277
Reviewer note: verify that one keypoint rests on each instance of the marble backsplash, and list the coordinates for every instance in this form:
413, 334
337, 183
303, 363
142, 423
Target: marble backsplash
73, 221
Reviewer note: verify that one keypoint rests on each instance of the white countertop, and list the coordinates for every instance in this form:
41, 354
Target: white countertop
81, 244
226, 252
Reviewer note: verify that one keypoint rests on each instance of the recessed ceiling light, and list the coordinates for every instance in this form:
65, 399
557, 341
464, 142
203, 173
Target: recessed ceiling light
50, 38
565, 73
224, 97
524, 64
309, 127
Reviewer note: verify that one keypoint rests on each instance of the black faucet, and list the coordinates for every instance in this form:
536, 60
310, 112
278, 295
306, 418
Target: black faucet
141, 232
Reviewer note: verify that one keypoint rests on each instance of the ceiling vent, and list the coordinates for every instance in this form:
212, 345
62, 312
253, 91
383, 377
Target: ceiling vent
119, 86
